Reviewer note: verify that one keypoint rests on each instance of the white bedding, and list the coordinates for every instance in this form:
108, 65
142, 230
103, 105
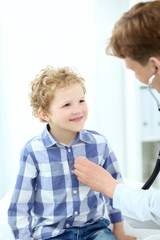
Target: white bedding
5, 232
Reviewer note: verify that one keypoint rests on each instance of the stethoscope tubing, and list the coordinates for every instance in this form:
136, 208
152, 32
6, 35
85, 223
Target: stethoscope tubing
156, 169
153, 175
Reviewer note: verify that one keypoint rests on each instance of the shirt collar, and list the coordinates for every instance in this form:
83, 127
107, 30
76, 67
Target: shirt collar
85, 136
49, 140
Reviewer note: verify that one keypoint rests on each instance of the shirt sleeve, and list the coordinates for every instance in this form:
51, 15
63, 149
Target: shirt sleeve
19, 212
138, 204
112, 166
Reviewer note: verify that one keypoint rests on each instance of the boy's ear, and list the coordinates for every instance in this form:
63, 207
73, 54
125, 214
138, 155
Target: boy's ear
43, 115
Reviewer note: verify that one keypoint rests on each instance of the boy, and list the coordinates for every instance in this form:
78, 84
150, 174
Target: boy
48, 201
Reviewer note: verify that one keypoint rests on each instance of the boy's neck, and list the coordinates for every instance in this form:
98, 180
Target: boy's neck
64, 138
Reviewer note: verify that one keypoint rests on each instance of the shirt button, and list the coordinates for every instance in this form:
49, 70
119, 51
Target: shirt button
67, 225
74, 192
76, 213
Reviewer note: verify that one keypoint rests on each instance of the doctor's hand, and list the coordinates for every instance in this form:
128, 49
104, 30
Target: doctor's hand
95, 177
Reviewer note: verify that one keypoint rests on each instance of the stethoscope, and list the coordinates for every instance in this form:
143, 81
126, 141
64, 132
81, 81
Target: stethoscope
156, 169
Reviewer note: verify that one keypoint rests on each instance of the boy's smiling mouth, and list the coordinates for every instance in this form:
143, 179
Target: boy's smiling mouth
76, 119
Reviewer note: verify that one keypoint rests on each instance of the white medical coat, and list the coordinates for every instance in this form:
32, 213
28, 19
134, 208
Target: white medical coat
138, 204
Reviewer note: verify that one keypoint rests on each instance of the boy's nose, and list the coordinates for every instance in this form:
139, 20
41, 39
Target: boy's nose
76, 109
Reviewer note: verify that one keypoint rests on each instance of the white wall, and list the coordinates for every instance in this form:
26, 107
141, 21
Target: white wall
37, 33
108, 80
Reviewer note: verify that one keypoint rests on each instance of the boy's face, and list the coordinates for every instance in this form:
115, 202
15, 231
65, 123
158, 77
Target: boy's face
68, 110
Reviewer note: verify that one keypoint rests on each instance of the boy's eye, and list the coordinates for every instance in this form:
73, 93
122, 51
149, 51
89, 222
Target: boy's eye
66, 105
82, 100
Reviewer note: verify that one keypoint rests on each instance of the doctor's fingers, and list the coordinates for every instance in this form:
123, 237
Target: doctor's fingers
82, 161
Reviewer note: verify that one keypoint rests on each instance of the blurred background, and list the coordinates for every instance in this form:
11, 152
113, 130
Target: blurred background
37, 33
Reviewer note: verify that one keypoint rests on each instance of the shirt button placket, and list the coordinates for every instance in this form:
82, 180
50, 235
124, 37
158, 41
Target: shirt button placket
69, 156
74, 191
67, 225
76, 213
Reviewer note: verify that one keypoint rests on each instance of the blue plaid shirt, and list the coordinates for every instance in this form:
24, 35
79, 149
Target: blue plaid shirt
48, 198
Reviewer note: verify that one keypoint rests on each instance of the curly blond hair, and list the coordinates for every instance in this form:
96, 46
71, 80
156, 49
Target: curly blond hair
43, 87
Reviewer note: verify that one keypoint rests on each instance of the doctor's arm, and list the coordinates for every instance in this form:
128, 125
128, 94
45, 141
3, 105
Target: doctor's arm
142, 205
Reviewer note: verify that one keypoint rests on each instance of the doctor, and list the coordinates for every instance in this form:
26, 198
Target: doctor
136, 39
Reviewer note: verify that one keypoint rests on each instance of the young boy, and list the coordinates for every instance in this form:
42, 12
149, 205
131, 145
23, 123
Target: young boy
48, 201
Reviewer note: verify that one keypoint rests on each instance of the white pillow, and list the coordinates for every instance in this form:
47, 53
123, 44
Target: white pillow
5, 230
